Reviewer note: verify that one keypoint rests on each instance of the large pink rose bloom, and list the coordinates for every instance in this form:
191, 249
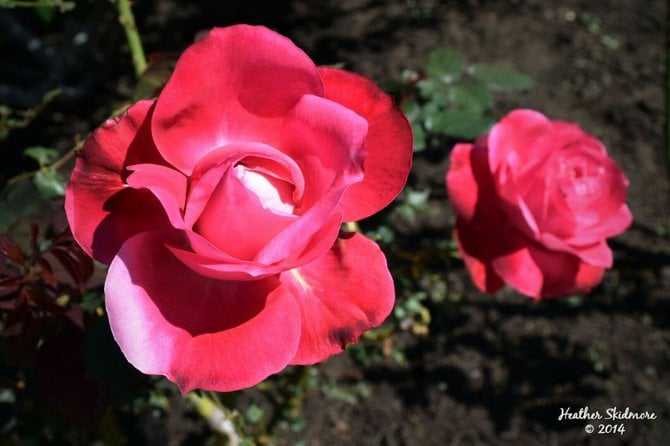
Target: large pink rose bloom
219, 207
535, 201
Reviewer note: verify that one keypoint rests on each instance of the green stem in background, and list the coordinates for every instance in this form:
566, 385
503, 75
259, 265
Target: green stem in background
209, 406
127, 20
63, 5
53, 166
18, 119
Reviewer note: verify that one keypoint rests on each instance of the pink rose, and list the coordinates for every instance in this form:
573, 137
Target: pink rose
535, 201
219, 207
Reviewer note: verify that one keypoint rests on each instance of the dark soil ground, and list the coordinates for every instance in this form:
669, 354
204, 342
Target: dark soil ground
500, 370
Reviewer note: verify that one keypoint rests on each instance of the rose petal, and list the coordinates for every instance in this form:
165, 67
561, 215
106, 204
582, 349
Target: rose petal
388, 144
314, 230
497, 254
329, 151
513, 141
208, 172
199, 332
470, 184
168, 186
236, 84
226, 220
208, 260
540, 273
101, 210
342, 294
326, 140
477, 252
596, 254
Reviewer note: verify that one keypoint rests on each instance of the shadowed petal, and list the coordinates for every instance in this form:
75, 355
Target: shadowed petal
102, 211
342, 294
168, 186
539, 273
199, 332
478, 265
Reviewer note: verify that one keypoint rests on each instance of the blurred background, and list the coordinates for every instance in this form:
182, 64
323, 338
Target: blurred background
451, 366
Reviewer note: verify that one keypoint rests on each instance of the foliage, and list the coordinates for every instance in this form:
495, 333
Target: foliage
62, 5
450, 97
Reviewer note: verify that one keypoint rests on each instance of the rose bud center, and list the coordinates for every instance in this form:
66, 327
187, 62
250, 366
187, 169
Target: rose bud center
253, 202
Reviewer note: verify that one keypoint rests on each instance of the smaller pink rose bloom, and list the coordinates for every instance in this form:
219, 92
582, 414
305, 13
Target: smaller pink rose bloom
535, 201
219, 206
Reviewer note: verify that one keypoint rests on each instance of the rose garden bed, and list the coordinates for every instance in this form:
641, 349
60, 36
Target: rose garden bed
471, 368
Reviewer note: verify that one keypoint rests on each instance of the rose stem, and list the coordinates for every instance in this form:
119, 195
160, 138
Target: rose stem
127, 20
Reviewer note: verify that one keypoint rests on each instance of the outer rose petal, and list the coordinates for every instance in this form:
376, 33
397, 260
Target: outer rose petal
199, 332
539, 273
236, 84
479, 266
470, 185
499, 254
102, 211
513, 141
389, 142
342, 294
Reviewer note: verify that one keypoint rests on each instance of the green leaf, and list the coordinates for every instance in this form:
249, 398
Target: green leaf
431, 89
446, 64
49, 183
412, 111
92, 300
471, 95
418, 199
43, 155
465, 124
17, 201
254, 413
500, 78
419, 136
45, 14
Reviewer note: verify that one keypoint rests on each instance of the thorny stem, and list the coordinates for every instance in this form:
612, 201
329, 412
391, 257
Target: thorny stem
7, 122
53, 166
127, 20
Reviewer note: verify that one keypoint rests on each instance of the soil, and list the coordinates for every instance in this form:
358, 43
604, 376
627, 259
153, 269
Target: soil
501, 368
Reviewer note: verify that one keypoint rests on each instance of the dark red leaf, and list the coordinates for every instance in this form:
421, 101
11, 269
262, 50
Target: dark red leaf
77, 263
64, 237
85, 263
11, 250
34, 234
10, 282
45, 272
70, 264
